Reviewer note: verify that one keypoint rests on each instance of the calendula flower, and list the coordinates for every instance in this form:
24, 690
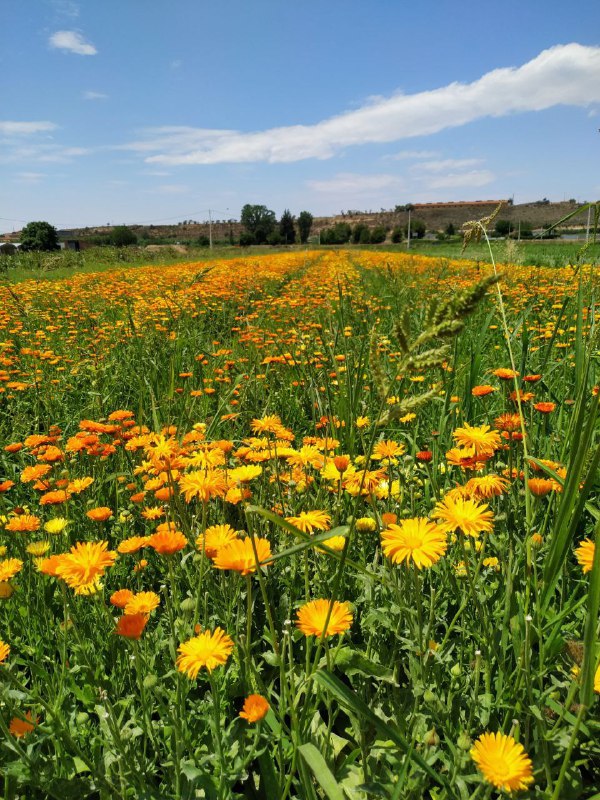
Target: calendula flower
9, 568
585, 555
121, 597
207, 651
132, 626
21, 727
418, 540
311, 521
312, 616
487, 486
4, 651
56, 525
133, 544
79, 485
100, 514
482, 391
38, 548
470, 517
255, 708
245, 474
24, 523
239, 555
203, 485
366, 525
481, 440
502, 761
84, 565
214, 538
142, 603
167, 542
541, 486
505, 374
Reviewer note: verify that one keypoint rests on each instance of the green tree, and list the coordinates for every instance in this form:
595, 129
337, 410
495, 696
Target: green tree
122, 236
360, 234
450, 229
418, 229
287, 231
39, 236
502, 227
258, 220
305, 221
378, 235
397, 235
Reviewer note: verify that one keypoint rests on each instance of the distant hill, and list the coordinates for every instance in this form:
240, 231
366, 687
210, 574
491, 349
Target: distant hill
436, 216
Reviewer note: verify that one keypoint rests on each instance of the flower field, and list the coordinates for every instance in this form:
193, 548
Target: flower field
307, 525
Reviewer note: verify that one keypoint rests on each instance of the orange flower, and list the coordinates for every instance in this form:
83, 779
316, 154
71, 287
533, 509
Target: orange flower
206, 650
544, 408
482, 391
21, 727
9, 568
131, 626
311, 618
26, 523
133, 544
54, 498
505, 374
239, 555
214, 538
79, 485
100, 514
34, 473
255, 708
84, 565
121, 597
167, 542
142, 603
540, 486
5, 486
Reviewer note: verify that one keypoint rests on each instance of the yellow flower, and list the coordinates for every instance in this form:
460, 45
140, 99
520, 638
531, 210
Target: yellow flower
486, 486
585, 555
481, 440
245, 474
366, 525
470, 517
335, 543
207, 650
310, 521
84, 565
38, 548
214, 538
312, 618
56, 525
239, 555
502, 761
203, 484
418, 540
9, 568
142, 603
4, 650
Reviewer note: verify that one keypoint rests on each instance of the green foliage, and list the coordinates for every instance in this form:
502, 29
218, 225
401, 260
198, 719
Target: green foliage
122, 236
418, 229
503, 227
305, 221
339, 233
378, 235
258, 220
287, 231
361, 234
398, 235
39, 236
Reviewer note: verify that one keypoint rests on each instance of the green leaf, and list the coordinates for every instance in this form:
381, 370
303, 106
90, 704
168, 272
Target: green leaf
321, 771
353, 703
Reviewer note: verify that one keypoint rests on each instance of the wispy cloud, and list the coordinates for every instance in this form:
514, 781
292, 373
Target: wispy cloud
445, 164
460, 180
11, 128
353, 182
30, 177
95, 96
411, 155
66, 8
72, 42
565, 74
41, 153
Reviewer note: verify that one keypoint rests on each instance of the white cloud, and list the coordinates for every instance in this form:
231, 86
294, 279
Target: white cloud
72, 42
354, 183
66, 8
42, 152
8, 128
459, 180
412, 155
30, 177
445, 164
565, 74
95, 96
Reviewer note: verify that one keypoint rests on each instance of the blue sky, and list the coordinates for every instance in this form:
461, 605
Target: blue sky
150, 111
